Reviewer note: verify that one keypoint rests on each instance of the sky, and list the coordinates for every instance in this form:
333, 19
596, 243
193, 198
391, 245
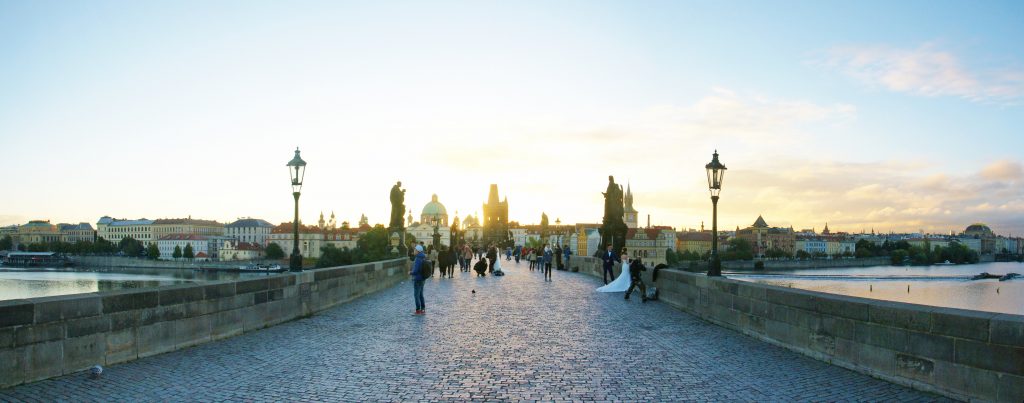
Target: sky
892, 116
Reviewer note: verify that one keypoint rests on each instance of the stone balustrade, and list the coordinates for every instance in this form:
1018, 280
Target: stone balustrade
51, 336
963, 354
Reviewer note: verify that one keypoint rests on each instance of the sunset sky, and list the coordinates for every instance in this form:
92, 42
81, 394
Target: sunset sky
896, 116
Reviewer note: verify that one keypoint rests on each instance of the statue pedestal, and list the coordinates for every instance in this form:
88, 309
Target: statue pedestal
397, 237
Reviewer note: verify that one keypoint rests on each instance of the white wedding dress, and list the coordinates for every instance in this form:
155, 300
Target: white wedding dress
621, 283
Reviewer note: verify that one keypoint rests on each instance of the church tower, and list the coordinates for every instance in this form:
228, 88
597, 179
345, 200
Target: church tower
629, 214
321, 223
495, 218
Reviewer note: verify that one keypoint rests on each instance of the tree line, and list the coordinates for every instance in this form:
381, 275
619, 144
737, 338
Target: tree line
900, 252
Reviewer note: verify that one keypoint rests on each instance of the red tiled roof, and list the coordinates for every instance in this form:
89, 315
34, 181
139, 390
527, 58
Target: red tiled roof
183, 237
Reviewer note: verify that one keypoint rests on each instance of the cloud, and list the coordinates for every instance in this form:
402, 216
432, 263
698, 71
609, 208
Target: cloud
925, 71
1003, 170
884, 196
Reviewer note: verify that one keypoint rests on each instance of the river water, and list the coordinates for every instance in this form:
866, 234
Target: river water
17, 283
941, 285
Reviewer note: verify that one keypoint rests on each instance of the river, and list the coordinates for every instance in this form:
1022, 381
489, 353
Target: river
17, 283
940, 285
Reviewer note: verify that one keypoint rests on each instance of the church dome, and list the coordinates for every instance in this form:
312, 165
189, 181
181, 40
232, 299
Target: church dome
434, 208
978, 229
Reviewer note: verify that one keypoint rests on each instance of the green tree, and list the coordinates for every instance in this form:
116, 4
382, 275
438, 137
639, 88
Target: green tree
37, 247
739, 249
898, 256
331, 256
152, 251
373, 246
671, 257
6, 243
177, 252
274, 251
188, 253
104, 246
130, 246
802, 255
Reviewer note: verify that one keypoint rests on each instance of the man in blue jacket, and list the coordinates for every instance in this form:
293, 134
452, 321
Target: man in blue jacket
417, 280
610, 258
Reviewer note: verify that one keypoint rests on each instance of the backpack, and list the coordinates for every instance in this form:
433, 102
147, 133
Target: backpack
427, 269
652, 293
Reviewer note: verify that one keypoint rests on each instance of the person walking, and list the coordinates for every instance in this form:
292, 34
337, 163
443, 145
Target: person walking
609, 257
558, 257
518, 252
567, 253
433, 257
467, 257
492, 255
530, 256
547, 262
417, 281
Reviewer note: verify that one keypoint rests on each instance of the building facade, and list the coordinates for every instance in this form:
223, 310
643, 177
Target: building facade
764, 238
72, 233
114, 230
203, 247
38, 232
650, 244
233, 249
189, 226
698, 242
250, 230
312, 238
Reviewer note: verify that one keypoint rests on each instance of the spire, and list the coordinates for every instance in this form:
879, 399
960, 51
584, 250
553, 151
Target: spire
760, 222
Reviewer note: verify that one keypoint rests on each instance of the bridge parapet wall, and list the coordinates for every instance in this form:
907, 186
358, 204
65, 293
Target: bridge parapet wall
963, 354
52, 336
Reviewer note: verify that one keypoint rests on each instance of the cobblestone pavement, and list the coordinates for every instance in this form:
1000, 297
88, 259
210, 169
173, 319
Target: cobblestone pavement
516, 338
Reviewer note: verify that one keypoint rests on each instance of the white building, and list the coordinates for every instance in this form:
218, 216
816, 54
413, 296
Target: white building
203, 247
251, 230
236, 250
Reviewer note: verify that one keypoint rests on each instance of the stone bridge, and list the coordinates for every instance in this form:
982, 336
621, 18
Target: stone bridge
516, 338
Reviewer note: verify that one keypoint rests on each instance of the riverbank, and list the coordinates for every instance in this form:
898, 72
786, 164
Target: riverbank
128, 262
774, 265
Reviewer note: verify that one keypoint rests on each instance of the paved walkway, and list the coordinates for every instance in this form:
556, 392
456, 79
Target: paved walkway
517, 338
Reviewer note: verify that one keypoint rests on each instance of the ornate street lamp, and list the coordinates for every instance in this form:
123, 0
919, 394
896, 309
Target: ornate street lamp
297, 170
716, 171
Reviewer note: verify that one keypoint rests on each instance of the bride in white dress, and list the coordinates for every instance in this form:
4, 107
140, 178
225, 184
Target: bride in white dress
621, 283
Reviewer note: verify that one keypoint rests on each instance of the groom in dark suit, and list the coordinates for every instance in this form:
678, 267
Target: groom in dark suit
610, 258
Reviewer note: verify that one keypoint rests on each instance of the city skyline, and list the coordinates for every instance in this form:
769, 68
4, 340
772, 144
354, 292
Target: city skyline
905, 123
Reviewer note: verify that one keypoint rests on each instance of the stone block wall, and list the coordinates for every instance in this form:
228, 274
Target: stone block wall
967, 355
51, 336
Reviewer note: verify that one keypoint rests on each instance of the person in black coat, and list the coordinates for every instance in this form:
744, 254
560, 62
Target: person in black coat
492, 255
610, 258
480, 268
635, 268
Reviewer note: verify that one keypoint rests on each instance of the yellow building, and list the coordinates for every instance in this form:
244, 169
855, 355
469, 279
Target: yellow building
114, 230
187, 226
37, 231
650, 244
698, 242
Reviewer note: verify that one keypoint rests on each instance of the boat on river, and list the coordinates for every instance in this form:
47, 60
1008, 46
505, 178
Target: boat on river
1009, 276
984, 276
248, 268
36, 259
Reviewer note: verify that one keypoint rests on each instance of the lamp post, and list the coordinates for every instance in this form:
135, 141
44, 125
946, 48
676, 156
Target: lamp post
297, 170
716, 171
